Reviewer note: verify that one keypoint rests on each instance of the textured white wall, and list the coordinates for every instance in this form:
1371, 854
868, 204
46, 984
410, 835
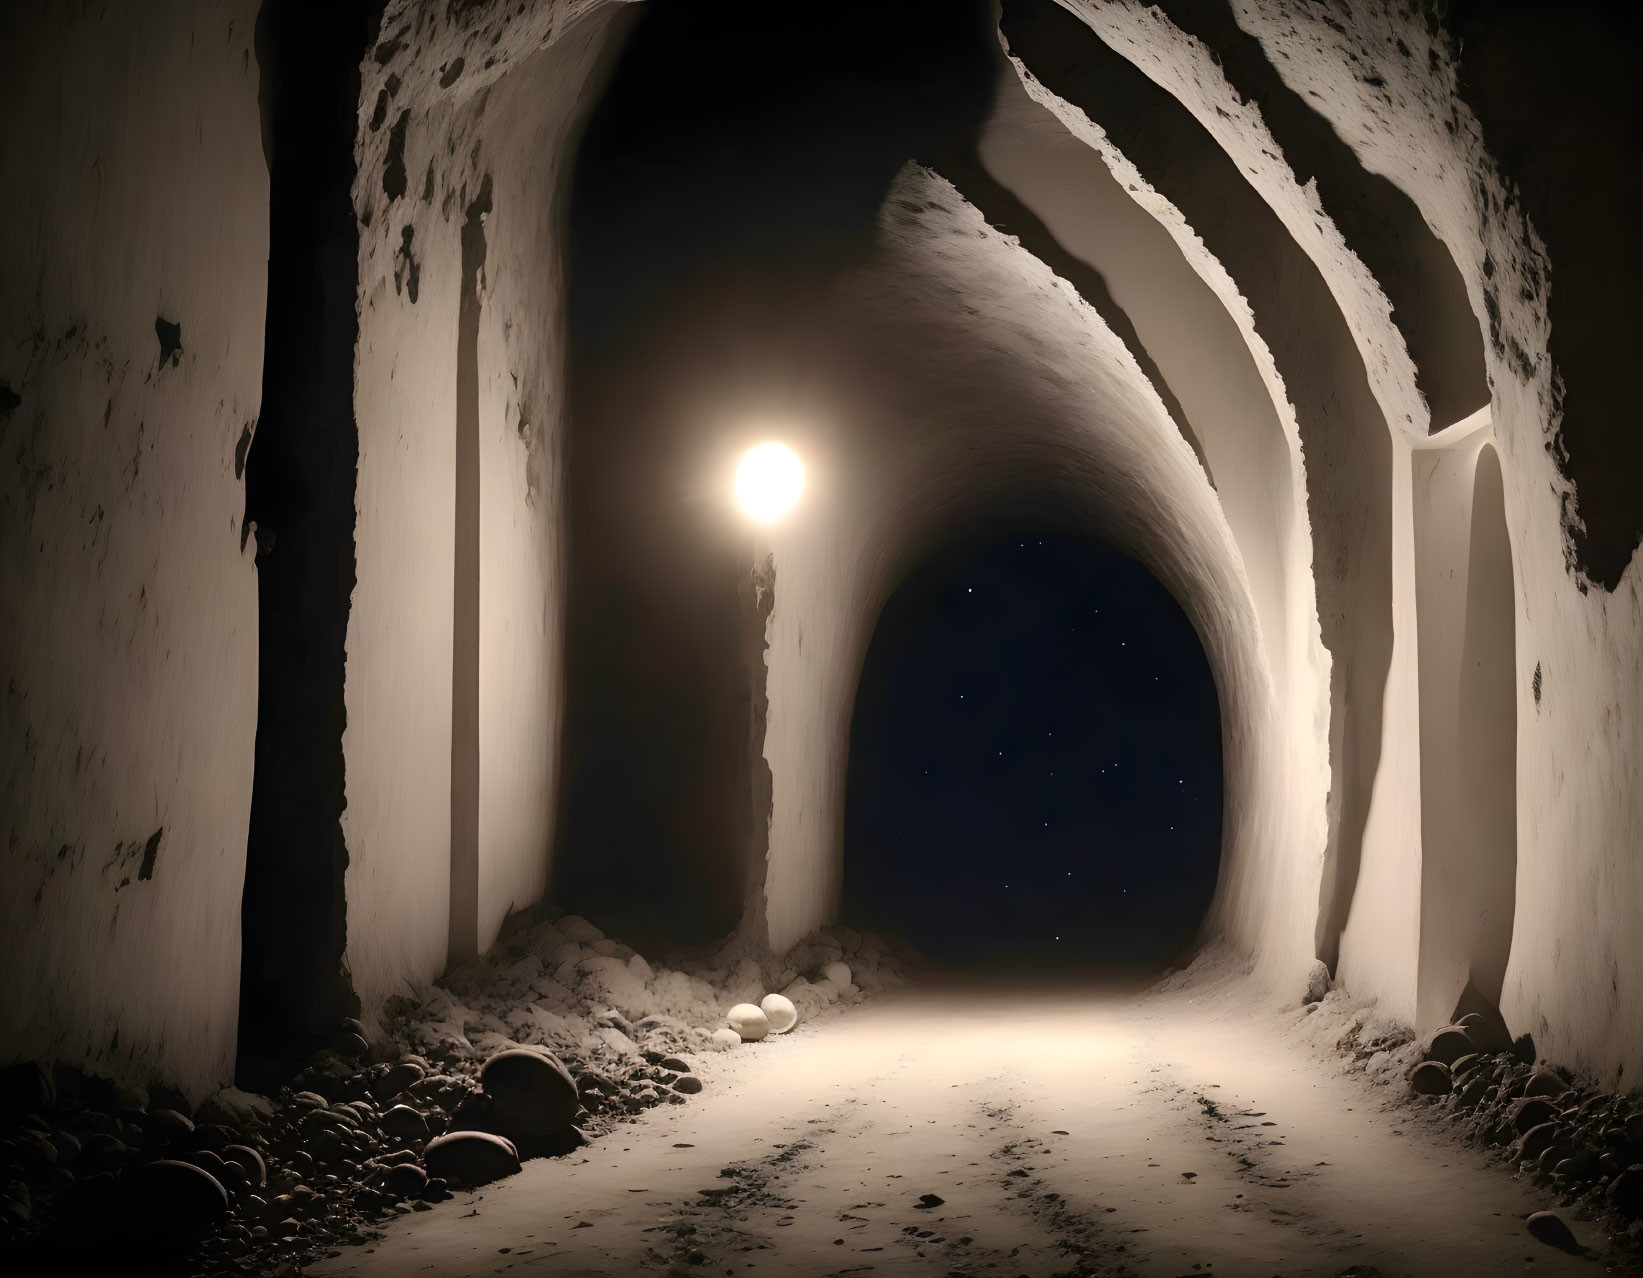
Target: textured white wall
1575, 977
135, 190
512, 122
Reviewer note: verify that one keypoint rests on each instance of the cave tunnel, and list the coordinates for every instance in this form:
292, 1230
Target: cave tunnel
1034, 778
420, 765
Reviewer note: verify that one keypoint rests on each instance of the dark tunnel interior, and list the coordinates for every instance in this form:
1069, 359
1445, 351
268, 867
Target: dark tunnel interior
734, 165
1034, 781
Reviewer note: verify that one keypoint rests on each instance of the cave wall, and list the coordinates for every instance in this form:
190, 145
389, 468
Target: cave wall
454, 639
136, 199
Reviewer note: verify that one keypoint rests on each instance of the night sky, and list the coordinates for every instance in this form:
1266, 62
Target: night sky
1035, 761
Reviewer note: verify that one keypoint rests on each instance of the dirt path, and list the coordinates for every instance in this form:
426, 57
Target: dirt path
1192, 1133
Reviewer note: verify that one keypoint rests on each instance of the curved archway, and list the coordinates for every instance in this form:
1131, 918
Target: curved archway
1034, 774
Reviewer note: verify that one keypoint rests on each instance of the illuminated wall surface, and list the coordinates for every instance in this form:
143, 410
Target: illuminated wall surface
308, 495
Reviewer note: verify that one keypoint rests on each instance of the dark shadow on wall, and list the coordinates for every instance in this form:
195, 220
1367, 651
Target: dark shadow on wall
1488, 717
1034, 775
735, 164
1344, 437
1380, 223
300, 476
1556, 90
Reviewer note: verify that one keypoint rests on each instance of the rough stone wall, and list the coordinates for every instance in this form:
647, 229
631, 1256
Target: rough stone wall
1575, 978
132, 299
454, 637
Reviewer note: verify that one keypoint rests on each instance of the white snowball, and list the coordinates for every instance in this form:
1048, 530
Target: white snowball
839, 974
724, 1039
780, 1012
748, 1021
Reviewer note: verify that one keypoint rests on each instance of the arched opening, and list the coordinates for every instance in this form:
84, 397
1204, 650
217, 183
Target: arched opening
1034, 776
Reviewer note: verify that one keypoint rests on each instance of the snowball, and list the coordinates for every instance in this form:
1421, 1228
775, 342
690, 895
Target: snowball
780, 1012
748, 1021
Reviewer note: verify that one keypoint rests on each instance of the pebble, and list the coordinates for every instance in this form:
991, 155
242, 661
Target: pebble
749, 1022
722, 1040
407, 1180
689, 1084
399, 1078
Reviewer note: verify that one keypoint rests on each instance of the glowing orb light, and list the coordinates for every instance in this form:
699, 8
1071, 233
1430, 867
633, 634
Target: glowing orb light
769, 481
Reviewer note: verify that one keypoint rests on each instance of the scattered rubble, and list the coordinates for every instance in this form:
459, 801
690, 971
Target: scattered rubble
555, 1035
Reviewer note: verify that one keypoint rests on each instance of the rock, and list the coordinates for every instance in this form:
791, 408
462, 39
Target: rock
237, 1109
471, 1158
1317, 982
399, 1077
1538, 1139
173, 1200
250, 1162
1550, 1228
688, 1084
535, 1096
1626, 1193
25, 1088
1545, 1082
1448, 1045
749, 1022
407, 1180
404, 1124
779, 1012
927, 1201
168, 1124
351, 1046
1532, 1112
722, 1040
576, 928
1430, 1078
838, 973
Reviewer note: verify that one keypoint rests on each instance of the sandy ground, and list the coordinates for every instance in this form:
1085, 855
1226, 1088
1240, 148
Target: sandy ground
1196, 1131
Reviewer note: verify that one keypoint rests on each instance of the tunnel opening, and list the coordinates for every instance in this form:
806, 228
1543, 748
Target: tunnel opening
1034, 780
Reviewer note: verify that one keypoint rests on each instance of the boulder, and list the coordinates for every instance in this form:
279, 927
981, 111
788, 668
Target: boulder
471, 1158
1317, 982
688, 1084
749, 1022
1532, 1111
533, 1093
838, 972
780, 1012
1538, 1139
235, 1108
250, 1162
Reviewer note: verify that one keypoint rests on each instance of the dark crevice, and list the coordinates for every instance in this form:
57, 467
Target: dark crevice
1006, 212
1344, 437
464, 884
1562, 114
1380, 223
300, 477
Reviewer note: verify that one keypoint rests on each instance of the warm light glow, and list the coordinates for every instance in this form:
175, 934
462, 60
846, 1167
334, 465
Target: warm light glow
769, 481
